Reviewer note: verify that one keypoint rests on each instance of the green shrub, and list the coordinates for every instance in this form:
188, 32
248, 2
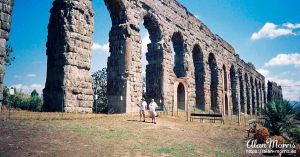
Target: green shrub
24, 101
35, 103
278, 116
294, 133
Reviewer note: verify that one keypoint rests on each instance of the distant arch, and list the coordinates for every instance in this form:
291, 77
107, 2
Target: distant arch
247, 94
253, 95
257, 97
233, 81
199, 73
225, 78
213, 82
242, 97
226, 104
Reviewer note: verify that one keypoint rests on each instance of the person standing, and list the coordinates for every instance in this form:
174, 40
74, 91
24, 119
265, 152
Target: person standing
142, 104
152, 107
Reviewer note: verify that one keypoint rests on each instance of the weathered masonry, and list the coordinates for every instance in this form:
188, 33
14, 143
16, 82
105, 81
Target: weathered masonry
69, 83
5, 20
274, 91
205, 72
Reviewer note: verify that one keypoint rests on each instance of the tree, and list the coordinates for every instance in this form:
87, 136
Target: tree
8, 59
278, 116
24, 101
100, 89
34, 93
5, 95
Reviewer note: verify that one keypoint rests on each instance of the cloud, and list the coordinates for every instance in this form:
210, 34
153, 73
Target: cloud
288, 79
29, 88
284, 60
292, 26
271, 31
264, 72
31, 75
145, 41
98, 48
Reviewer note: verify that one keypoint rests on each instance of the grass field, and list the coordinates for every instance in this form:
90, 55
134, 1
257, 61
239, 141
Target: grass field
35, 134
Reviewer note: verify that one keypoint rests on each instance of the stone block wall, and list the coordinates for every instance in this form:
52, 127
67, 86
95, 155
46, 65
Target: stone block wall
172, 23
274, 91
69, 83
6, 7
205, 73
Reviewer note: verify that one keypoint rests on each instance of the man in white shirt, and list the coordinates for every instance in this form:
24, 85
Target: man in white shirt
152, 107
142, 104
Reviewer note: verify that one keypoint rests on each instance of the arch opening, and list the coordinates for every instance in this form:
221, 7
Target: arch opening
213, 82
181, 97
253, 95
242, 97
199, 76
257, 97
150, 36
178, 49
247, 94
225, 87
117, 11
233, 80
226, 105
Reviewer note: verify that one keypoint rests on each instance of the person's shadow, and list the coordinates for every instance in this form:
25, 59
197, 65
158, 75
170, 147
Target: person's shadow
131, 120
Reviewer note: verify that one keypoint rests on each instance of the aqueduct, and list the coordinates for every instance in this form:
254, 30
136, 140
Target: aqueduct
205, 73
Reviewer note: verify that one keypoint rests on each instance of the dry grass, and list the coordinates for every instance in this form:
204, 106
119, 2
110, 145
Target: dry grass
45, 134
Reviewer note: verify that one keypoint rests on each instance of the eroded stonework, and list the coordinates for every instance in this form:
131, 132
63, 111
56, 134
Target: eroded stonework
205, 72
274, 91
69, 83
214, 77
6, 7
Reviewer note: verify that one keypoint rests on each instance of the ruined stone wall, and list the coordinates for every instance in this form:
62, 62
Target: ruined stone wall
211, 76
167, 21
6, 7
69, 83
274, 91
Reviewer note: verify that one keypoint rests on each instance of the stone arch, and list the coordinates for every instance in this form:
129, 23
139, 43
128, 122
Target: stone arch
154, 57
214, 81
242, 89
152, 25
117, 11
260, 96
199, 73
181, 97
257, 96
178, 45
233, 82
247, 94
71, 68
264, 94
225, 86
253, 95
226, 105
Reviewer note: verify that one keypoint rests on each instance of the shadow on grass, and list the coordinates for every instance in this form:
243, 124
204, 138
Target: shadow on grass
137, 121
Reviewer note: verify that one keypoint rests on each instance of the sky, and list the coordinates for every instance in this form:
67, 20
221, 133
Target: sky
266, 33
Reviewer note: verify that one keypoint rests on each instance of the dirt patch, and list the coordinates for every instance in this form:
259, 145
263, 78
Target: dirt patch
120, 136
